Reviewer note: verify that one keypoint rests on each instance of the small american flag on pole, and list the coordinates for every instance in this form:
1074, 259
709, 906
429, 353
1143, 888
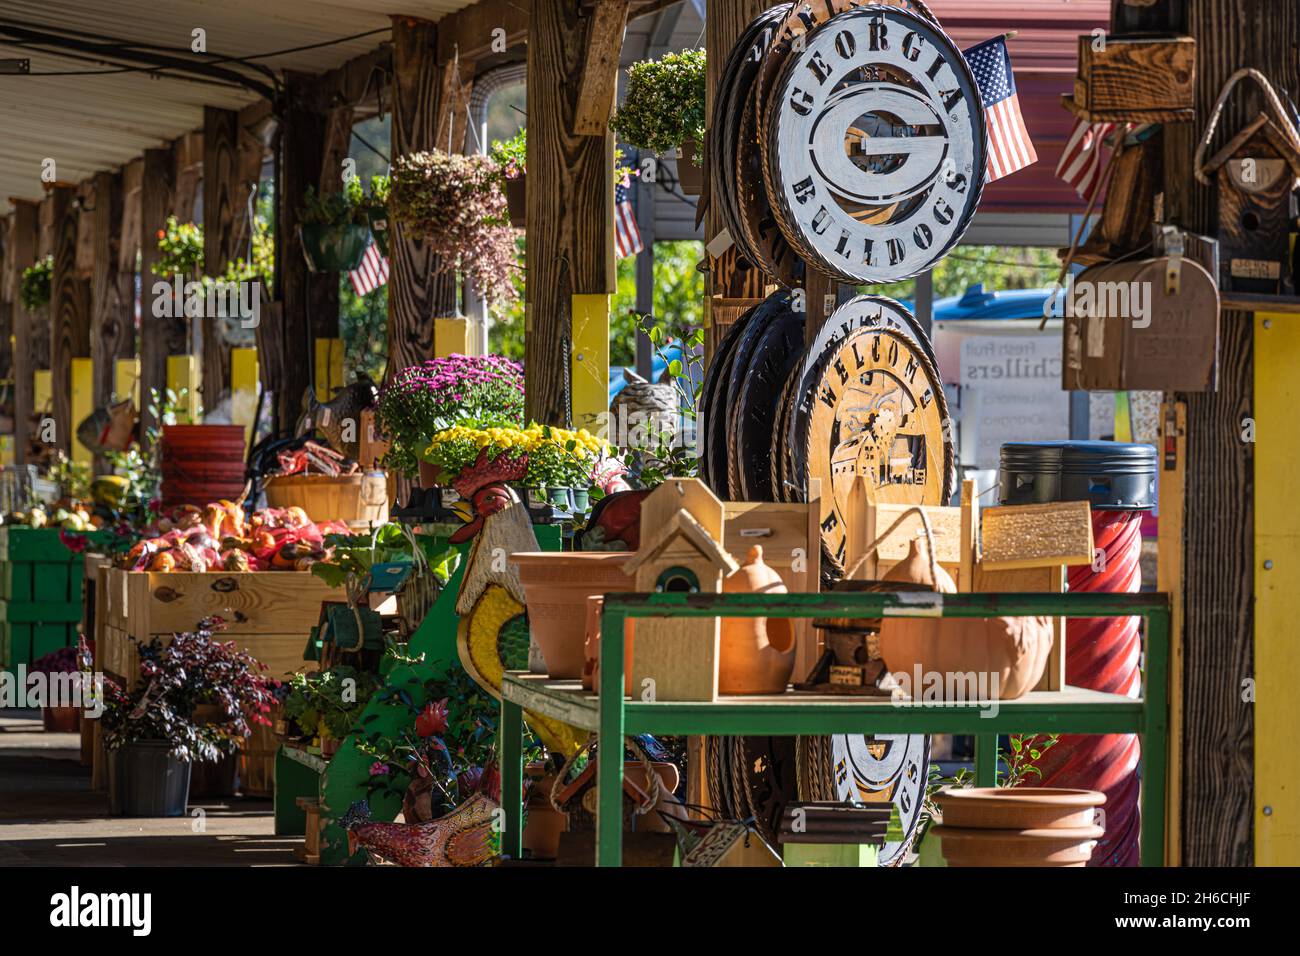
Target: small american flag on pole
627, 237
371, 274
1080, 164
1010, 147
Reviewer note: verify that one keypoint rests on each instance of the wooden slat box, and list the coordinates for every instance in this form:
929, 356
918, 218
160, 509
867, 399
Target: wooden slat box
268, 613
1135, 75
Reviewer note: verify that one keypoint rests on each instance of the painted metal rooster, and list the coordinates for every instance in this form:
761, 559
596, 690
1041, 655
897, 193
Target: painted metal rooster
332, 418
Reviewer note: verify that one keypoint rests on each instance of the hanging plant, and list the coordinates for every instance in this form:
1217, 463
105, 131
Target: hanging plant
377, 211
334, 227
511, 155
180, 250
664, 107
454, 204
35, 290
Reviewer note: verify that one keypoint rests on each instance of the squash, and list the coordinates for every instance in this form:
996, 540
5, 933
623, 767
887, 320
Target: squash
967, 658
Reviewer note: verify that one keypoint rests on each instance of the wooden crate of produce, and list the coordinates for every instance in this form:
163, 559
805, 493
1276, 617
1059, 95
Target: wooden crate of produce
268, 613
1123, 78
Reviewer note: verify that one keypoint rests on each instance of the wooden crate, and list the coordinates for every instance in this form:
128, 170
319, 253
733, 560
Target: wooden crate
270, 614
1122, 78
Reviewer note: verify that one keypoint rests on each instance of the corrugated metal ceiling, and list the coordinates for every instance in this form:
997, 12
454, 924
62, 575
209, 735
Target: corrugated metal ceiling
93, 122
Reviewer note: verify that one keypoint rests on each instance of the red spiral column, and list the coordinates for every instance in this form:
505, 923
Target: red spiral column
1105, 654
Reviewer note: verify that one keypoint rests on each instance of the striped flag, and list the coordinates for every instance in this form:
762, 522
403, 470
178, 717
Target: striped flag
627, 237
371, 274
1080, 164
1010, 147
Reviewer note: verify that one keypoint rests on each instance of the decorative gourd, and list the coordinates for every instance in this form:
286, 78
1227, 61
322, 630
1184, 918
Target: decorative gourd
756, 654
995, 659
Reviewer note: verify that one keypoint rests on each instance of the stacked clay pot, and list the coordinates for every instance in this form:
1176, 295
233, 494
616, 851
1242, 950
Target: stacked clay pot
556, 588
1018, 826
755, 654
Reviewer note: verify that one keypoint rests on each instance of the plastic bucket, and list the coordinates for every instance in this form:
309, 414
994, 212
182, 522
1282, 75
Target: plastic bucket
144, 780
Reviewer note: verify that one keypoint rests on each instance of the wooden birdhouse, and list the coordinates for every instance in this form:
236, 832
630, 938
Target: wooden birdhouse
1254, 176
681, 552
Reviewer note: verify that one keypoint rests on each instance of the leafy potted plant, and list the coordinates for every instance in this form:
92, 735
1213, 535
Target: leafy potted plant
511, 156
455, 206
152, 733
35, 290
58, 718
377, 211
664, 110
334, 228
423, 399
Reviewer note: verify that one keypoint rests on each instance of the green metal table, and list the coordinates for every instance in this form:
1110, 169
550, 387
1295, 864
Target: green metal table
1070, 710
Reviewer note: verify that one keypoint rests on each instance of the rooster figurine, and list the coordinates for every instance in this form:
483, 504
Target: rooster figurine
464, 837
493, 633
331, 418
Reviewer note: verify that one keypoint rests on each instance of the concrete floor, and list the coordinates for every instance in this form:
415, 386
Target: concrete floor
50, 816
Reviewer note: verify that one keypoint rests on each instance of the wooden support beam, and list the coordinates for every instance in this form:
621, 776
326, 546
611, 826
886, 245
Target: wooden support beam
1220, 560
456, 83
112, 335
28, 326
188, 153
310, 301
487, 28
225, 201
69, 312
600, 74
570, 206
420, 290
162, 331
338, 137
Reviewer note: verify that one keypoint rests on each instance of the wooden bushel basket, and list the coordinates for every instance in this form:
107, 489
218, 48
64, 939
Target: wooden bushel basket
357, 499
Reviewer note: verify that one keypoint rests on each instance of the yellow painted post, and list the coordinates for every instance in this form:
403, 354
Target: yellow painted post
183, 373
589, 366
83, 403
6, 449
243, 388
450, 337
42, 391
329, 368
126, 380
1277, 590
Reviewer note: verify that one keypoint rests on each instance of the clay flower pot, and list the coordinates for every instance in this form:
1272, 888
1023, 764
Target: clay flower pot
556, 588
1018, 808
1018, 826
591, 650
961, 658
756, 654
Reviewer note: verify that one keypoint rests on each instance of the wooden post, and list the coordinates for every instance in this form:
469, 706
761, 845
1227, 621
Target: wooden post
20, 253
419, 290
570, 204
1220, 563
112, 291
310, 301
224, 201
69, 312
162, 333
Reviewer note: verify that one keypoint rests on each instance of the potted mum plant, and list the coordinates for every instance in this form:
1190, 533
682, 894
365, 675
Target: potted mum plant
35, 289
58, 718
426, 398
334, 228
664, 110
455, 206
152, 733
510, 156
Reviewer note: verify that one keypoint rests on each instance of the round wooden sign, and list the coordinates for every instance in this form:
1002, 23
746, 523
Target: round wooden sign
874, 145
755, 406
872, 769
878, 413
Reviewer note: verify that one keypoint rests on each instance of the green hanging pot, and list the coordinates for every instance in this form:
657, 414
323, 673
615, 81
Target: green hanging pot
379, 226
333, 248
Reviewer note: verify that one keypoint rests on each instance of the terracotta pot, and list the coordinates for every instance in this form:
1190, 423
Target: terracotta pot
995, 659
1018, 808
517, 200
556, 588
591, 650
756, 654
542, 830
1063, 846
61, 720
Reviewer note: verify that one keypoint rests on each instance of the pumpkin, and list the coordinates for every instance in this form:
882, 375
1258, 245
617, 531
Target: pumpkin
998, 658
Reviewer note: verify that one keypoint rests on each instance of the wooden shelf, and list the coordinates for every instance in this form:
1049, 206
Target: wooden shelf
1258, 302
1127, 116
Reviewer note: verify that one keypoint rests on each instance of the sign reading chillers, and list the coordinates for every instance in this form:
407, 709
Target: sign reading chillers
876, 145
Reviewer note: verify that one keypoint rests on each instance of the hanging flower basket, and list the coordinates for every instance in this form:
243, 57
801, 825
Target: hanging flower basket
333, 248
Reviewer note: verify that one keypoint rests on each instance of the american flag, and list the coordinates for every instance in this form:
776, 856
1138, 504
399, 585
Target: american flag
627, 237
371, 274
1010, 147
1080, 164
